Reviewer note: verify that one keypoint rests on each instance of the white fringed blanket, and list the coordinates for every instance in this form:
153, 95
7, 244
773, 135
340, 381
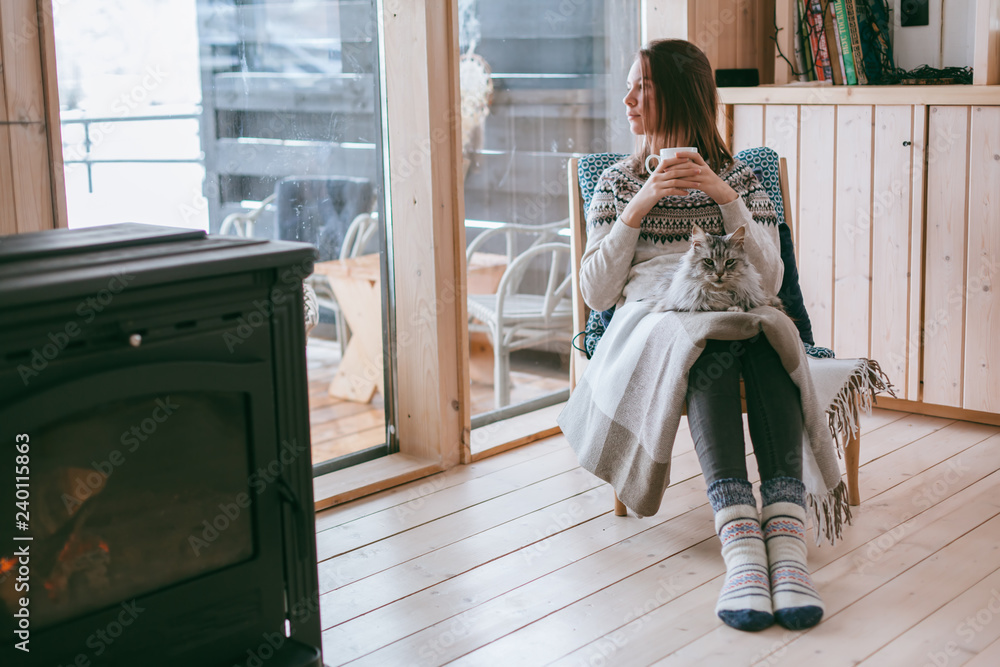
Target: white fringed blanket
624, 413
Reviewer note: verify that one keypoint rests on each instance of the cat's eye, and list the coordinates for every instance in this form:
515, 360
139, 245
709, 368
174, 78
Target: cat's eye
709, 263
730, 262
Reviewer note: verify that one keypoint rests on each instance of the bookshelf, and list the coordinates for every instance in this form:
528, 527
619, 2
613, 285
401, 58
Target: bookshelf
985, 31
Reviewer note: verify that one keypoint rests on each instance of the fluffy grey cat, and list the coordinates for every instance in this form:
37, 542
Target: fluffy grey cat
715, 274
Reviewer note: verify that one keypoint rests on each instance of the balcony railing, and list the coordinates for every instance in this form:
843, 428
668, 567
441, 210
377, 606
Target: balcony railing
89, 160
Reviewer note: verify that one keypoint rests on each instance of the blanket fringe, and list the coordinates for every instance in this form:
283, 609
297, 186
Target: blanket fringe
857, 395
830, 513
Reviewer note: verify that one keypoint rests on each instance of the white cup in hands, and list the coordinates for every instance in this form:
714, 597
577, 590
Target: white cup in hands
666, 154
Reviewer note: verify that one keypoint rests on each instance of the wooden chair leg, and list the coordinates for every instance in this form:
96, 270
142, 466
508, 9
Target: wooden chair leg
620, 509
852, 457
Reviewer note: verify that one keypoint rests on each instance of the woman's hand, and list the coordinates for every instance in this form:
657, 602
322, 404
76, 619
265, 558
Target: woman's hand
673, 177
708, 181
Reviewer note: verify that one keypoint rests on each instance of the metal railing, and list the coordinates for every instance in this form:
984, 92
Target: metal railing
88, 159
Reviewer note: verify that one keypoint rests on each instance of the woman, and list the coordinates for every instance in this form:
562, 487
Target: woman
622, 418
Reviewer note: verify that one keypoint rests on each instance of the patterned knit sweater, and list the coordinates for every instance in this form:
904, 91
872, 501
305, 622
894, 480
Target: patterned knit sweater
623, 264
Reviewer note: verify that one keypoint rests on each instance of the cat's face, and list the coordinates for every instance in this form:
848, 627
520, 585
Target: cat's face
719, 261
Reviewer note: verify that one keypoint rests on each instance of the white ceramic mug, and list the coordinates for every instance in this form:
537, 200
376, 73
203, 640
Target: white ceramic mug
666, 154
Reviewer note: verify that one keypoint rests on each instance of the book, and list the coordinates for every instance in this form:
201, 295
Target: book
850, 78
822, 51
810, 47
833, 45
803, 30
856, 52
800, 58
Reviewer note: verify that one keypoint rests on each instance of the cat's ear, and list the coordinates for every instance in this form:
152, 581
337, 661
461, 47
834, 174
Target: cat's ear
698, 236
738, 236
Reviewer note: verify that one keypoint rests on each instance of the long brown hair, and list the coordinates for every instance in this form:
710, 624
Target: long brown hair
683, 105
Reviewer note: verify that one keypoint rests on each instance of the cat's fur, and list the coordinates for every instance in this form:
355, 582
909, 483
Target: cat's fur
714, 274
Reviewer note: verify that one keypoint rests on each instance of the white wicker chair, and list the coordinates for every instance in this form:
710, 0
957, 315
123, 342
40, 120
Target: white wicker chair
513, 319
361, 231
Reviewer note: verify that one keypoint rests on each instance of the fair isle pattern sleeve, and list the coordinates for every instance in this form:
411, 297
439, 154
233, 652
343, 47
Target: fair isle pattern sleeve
603, 210
610, 247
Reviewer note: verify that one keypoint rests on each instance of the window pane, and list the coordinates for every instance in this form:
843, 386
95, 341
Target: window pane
542, 80
248, 118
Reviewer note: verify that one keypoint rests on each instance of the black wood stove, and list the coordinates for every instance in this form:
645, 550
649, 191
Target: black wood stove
155, 471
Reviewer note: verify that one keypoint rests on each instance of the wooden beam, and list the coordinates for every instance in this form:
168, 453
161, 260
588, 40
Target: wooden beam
986, 59
426, 212
50, 91
22, 72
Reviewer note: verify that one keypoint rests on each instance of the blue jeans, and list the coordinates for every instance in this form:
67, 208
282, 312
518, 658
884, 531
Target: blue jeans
774, 411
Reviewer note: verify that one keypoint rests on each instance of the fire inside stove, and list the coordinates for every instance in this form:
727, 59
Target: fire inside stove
115, 516
86, 557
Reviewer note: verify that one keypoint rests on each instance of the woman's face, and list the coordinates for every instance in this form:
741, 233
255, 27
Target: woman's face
637, 88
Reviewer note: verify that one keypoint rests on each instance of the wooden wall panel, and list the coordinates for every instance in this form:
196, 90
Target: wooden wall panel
852, 253
781, 133
666, 18
31, 182
707, 28
747, 43
748, 126
22, 62
986, 58
29, 150
918, 179
731, 33
8, 215
944, 276
817, 133
785, 12
982, 327
891, 200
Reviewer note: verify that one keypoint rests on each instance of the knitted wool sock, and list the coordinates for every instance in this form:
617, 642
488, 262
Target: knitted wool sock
745, 600
797, 605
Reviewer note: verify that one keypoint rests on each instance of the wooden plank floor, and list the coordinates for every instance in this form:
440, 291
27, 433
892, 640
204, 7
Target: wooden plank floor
518, 560
340, 427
